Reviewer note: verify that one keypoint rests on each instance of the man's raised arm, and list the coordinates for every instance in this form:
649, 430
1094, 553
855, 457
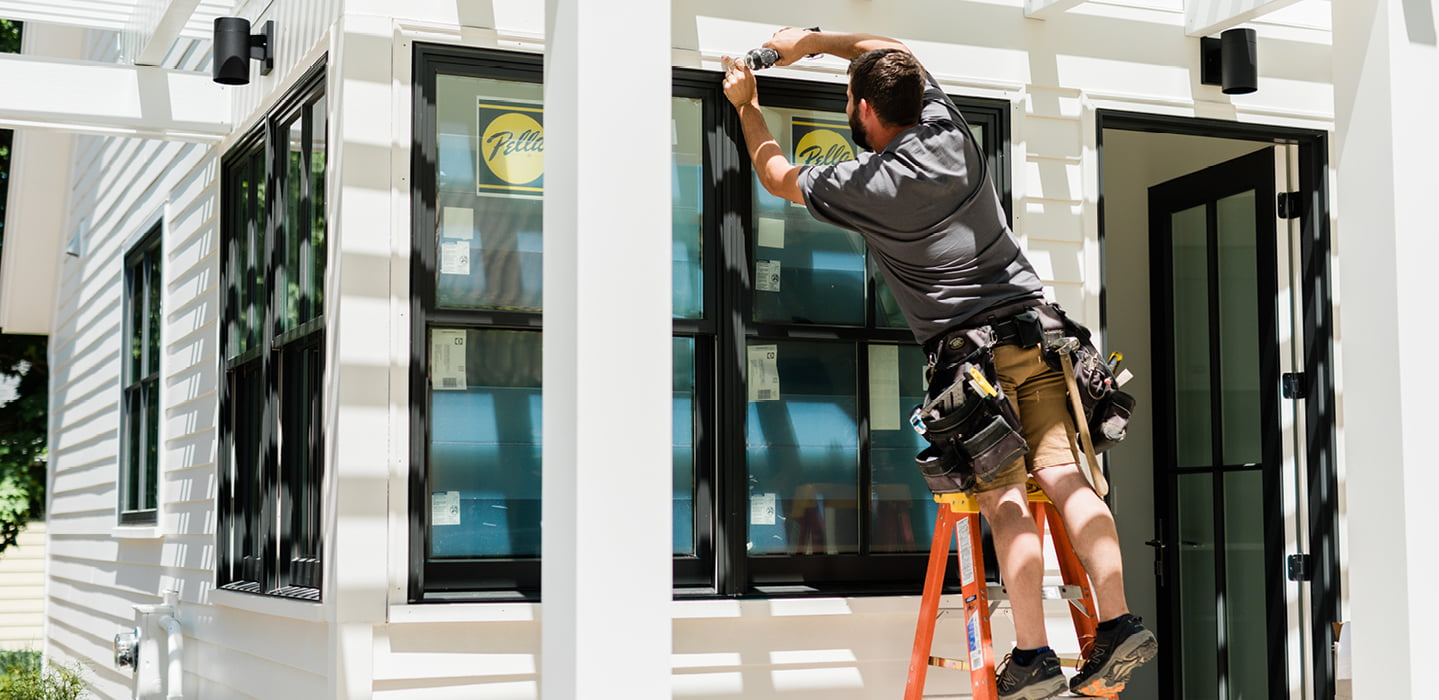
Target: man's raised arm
794, 43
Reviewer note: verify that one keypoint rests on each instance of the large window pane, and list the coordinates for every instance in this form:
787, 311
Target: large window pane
685, 414
317, 160
806, 271
491, 178
1199, 600
688, 208
1194, 438
802, 448
484, 473
902, 512
1239, 330
294, 228
1245, 613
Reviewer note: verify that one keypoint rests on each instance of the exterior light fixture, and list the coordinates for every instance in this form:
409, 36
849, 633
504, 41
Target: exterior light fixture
235, 47
1231, 61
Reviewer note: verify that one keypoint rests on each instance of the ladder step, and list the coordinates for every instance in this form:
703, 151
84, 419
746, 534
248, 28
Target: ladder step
1045, 592
962, 665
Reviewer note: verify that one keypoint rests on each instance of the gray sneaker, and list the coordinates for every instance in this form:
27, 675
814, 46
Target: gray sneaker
1113, 657
1039, 680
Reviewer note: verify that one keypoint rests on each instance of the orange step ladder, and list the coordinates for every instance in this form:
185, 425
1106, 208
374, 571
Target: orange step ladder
959, 519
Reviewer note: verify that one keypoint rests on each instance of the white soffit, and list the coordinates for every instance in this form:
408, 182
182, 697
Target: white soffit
1044, 9
1209, 17
150, 26
111, 99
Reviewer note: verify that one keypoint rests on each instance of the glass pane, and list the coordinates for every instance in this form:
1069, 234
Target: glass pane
484, 471
316, 263
239, 241
152, 298
1193, 432
300, 436
1245, 613
490, 172
134, 366
150, 472
802, 448
292, 229
258, 298
684, 445
806, 271
886, 309
687, 217
901, 510
248, 397
1198, 599
1239, 330
134, 446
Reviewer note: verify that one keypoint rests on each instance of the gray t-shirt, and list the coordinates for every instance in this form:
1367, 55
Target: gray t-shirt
929, 212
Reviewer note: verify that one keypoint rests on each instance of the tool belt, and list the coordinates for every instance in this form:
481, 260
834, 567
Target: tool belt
972, 428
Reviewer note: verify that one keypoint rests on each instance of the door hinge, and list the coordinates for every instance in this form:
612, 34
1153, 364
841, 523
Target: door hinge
1289, 205
1299, 568
1291, 385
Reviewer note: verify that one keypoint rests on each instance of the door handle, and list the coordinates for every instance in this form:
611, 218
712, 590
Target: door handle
1156, 544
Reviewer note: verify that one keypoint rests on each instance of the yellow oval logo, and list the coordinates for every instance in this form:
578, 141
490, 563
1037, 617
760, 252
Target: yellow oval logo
513, 147
822, 147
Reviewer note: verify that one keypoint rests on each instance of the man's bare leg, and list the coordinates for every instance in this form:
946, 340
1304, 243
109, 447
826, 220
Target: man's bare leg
1092, 531
1021, 560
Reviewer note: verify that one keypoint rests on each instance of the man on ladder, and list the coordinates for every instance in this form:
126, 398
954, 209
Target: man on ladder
996, 412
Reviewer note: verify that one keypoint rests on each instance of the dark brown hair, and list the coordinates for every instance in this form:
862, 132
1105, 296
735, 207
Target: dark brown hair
892, 81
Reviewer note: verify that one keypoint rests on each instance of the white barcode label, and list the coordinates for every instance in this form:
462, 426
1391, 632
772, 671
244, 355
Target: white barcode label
966, 553
447, 359
763, 372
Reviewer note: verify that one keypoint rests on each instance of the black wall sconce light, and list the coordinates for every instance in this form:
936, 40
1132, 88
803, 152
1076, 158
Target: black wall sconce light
1231, 61
235, 47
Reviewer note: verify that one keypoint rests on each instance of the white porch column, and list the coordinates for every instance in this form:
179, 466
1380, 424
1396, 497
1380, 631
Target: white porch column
607, 384
1385, 63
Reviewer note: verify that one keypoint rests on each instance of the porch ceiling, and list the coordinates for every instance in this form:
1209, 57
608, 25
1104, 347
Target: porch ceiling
148, 27
1201, 17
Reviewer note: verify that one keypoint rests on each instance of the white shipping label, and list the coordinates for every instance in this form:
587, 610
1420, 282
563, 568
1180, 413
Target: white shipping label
884, 408
766, 275
459, 223
455, 258
762, 509
763, 373
966, 553
445, 508
771, 232
447, 359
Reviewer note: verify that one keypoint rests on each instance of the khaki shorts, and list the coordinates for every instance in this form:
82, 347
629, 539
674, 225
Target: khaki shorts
1039, 394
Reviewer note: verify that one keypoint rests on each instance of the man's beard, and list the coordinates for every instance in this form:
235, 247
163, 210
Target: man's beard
856, 131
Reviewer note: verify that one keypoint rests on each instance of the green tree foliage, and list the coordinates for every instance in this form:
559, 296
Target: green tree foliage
24, 424
24, 677
23, 421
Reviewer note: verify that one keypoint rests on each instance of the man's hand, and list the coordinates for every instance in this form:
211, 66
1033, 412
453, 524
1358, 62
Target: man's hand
787, 42
739, 85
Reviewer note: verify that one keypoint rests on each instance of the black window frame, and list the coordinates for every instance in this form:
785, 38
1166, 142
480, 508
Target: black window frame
139, 469
720, 566
269, 532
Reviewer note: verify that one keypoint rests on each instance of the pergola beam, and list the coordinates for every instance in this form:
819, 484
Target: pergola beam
1209, 17
116, 100
167, 29
1044, 9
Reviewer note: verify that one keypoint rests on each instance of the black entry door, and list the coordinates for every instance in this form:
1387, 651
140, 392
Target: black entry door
1218, 454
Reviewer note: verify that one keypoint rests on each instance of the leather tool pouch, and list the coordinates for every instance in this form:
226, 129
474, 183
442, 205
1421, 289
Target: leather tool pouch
1106, 409
970, 425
